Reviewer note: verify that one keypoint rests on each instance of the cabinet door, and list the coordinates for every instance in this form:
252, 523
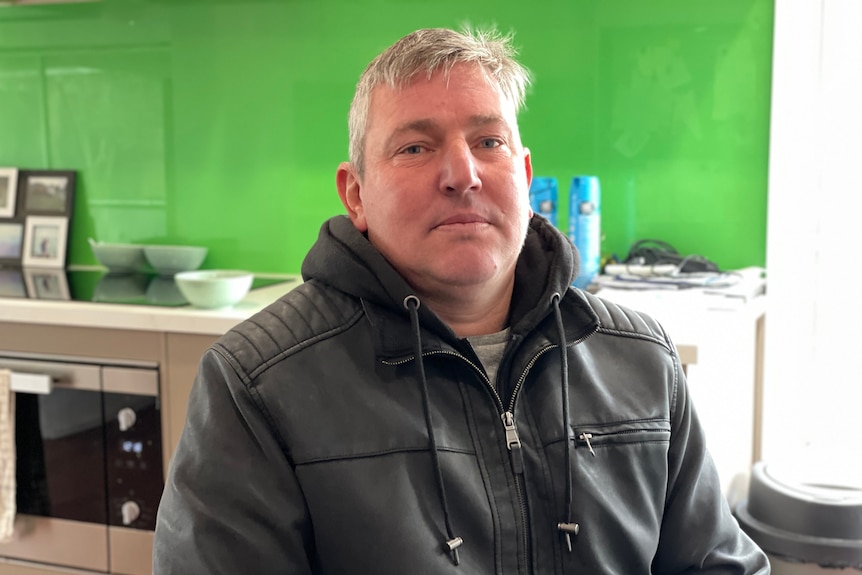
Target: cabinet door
184, 352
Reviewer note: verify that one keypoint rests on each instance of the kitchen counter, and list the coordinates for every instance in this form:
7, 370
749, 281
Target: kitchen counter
183, 319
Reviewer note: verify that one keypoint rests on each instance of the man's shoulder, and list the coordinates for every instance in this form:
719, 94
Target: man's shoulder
307, 314
621, 320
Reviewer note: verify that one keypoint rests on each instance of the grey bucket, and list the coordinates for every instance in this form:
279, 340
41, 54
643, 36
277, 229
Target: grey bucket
800, 519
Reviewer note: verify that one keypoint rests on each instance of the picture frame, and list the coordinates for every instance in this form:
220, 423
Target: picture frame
11, 242
46, 283
8, 191
45, 239
12, 284
47, 192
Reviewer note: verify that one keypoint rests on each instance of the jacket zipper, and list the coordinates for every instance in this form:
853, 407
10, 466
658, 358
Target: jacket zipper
516, 457
513, 441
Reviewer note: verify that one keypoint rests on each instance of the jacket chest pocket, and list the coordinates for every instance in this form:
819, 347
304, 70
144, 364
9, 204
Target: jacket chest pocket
599, 436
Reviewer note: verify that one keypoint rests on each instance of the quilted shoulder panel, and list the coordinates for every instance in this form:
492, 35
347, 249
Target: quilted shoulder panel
305, 315
618, 319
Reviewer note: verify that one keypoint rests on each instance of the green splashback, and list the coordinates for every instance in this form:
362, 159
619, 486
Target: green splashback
220, 123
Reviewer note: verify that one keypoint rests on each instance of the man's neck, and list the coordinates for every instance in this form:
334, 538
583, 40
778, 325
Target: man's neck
472, 311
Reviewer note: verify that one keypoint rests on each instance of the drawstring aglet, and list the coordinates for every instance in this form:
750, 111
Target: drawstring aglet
568, 530
453, 545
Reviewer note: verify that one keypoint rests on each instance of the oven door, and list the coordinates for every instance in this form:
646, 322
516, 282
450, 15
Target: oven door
60, 469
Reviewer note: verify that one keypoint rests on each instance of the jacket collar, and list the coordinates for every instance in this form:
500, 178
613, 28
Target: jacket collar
393, 338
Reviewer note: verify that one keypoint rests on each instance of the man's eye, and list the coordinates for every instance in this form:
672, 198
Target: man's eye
415, 149
490, 143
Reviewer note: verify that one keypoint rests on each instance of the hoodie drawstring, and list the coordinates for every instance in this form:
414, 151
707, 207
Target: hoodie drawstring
411, 303
566, 527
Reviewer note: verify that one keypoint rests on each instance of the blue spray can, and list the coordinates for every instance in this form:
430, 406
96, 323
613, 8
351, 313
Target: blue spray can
585, 218
543, 197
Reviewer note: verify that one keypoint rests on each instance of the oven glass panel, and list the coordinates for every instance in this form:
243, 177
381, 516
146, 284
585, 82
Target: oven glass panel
60, 469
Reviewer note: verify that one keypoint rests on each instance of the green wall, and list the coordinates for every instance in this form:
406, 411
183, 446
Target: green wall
221, 123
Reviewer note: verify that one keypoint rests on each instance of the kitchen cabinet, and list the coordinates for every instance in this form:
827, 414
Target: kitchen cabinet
19, 568
183, 351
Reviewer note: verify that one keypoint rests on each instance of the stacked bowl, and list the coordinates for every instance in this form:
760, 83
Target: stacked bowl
178, 278
119, 258
170, 260
165, 260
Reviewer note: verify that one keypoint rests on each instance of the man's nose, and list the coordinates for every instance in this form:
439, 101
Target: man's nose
459, 173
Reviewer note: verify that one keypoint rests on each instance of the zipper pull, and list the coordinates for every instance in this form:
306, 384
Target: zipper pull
585, 437
513, 442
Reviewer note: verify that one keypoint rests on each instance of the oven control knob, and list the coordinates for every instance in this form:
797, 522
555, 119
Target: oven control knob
127, 418
131, 511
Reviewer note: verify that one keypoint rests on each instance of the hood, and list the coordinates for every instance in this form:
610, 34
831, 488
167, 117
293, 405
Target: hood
344, 258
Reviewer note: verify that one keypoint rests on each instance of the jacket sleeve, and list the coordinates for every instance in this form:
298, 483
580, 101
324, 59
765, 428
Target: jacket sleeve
232, 502
699, 534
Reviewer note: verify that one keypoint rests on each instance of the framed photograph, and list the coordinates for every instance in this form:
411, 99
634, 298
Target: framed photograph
46, 283
45, 242
48, 192
8, 191
11, 242
12, 283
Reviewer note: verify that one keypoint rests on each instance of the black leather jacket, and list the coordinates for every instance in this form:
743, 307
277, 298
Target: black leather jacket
320, 440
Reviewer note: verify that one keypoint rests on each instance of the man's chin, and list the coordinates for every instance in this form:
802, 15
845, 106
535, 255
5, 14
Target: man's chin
466, 276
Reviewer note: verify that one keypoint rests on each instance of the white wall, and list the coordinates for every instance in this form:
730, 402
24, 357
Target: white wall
813, 384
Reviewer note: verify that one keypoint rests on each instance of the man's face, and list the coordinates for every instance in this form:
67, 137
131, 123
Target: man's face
444, 196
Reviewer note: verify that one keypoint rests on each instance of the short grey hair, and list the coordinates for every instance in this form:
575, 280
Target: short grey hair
427, 51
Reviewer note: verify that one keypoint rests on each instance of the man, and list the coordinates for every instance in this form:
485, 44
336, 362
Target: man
436, 397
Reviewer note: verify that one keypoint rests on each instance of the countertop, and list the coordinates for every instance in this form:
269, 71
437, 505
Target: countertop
182, 319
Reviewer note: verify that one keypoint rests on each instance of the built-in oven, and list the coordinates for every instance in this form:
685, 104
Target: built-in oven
88, 462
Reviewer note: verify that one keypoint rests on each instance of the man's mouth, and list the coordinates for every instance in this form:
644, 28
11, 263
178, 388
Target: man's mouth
462, 219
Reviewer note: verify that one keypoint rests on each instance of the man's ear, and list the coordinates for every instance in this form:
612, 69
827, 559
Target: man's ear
349, 190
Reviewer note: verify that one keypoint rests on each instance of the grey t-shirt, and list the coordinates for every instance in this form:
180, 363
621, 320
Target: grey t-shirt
490, 350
